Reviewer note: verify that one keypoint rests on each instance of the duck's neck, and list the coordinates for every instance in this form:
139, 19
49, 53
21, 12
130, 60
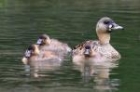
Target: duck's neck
104, 38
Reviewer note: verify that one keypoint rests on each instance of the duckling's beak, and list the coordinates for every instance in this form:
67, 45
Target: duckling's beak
114, 26
39, 41
28, 53
26, 56
87, 51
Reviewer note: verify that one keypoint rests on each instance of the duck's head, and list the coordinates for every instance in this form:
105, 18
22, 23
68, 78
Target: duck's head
104, 27
44, 40
106, 24
32, 50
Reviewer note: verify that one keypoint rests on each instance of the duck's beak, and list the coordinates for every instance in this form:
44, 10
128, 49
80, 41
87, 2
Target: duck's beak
39, 41
114, 26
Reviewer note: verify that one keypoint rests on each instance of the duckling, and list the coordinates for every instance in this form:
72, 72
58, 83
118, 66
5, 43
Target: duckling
46, 43
47, 60
87, 53
85, 59
102, 46
33, 54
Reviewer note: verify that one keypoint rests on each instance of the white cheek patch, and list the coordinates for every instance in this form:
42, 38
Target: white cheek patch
110, 26
27, 53
39, 41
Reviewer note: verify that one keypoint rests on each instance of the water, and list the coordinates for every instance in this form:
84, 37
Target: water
71, 21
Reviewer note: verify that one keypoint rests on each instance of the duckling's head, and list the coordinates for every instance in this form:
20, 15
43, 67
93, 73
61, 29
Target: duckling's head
88, 51
104, 27
44, 40
32, 50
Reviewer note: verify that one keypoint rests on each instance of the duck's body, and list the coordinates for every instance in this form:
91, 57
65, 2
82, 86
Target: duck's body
101, 52
44, 57
101, 47
34, 54
46, 43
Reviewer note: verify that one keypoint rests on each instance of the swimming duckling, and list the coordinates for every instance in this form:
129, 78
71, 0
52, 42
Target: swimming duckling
33, 54
85, 59
87, 54
46, 43
102, 46
37, 60
90, 62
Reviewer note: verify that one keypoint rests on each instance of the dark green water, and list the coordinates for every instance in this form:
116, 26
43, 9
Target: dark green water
71, 21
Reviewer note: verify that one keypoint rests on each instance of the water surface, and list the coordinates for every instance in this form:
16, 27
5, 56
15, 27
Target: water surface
71, 21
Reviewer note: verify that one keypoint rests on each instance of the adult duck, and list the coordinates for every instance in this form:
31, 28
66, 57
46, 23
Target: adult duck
101, 49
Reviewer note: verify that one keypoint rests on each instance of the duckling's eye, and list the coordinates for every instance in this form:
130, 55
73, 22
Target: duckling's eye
74, 47
44, 38
106, 22
40, 37
30, 48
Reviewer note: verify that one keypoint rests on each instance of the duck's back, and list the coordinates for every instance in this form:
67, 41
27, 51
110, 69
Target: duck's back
58, 47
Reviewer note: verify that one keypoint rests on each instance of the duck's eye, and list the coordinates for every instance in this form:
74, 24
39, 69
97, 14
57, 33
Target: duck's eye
106, 22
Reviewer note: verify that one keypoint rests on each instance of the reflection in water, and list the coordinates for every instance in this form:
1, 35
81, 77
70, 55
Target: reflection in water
38, 68
100, 74
103, 83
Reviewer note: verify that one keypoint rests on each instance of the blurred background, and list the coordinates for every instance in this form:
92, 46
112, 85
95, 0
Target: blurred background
70, 21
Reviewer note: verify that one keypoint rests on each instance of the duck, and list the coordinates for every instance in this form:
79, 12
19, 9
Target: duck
33, 54
37, 60
47, 43
83, 56
86, 59
99, 50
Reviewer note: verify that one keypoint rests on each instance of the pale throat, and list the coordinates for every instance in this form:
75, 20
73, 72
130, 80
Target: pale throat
104, 37
36, 52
